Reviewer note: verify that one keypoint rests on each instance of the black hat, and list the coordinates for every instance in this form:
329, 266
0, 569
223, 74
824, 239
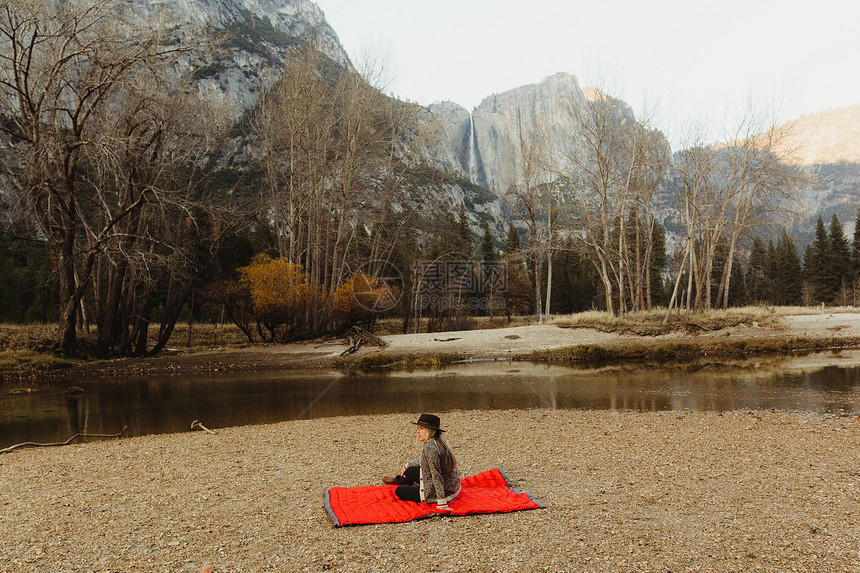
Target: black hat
429, 421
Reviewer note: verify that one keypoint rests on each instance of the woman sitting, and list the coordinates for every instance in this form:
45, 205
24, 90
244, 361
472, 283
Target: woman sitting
434, 477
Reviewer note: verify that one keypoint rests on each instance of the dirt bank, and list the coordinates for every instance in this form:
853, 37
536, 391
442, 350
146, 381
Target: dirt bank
520, 342
662, 491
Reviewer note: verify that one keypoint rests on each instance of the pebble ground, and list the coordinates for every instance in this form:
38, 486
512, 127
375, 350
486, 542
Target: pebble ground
625, 491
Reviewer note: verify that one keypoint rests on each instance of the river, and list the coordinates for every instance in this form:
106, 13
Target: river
825, 383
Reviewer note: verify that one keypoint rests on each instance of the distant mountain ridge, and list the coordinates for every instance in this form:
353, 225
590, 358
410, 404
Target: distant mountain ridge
826, 137
485, 141
482, 140
475, 146
825, 146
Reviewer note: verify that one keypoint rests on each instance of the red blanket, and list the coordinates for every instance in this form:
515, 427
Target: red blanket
486, 492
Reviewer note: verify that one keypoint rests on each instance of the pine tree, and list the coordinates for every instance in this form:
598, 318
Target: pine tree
463, 237
561, 281
658, 263
518, 295
840, 253
789, 284
488, 245
512, 243
489, 256
263, 239
808, 266
577, 292
770, 272
855, 249
818, 268
451, 238
758, 289
737, 290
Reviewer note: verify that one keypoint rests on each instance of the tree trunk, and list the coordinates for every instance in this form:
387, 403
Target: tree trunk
547, 314
677, 285
537, 285
67, 341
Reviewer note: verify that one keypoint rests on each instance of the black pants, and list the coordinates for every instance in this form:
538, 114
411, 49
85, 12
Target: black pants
407, 488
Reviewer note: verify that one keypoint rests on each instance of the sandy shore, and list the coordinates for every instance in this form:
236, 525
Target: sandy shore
662, 491
506, 343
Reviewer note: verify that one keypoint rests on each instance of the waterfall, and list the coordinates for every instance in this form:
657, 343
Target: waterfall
473, 157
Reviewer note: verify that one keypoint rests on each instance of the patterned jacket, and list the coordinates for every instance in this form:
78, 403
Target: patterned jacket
439, 484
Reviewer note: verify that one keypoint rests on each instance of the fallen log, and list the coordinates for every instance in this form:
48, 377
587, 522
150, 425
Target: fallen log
66, 443
196, 425
356, 337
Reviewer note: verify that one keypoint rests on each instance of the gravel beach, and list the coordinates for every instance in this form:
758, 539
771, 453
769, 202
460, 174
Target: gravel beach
665, 491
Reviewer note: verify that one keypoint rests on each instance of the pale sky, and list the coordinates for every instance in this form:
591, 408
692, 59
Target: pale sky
697, 62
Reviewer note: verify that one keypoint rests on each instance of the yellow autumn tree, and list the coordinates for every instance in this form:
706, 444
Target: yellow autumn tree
359, 300
276, 293
278, 296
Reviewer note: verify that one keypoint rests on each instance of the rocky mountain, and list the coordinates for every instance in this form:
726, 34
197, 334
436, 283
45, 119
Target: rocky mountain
826, 148
260, 34
475, 146
827, 137
481, 140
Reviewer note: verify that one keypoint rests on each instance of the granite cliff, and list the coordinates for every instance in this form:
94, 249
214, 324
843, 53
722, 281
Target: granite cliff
259, 36
475, 147
825, 146
483, 139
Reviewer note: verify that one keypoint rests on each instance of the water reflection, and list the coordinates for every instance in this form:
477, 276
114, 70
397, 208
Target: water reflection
823, 384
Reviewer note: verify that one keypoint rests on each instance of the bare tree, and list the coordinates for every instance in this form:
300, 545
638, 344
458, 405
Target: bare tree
294, 121
530, 192
759, 184
161, 139
652, 158
597, 171
340, 158
61, 65
726, 190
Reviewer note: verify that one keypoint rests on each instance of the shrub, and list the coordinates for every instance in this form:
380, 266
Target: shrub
279, 299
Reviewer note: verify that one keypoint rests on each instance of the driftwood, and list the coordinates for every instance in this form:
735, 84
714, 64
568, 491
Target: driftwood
15, 391
66, 443
357, 337
196, 425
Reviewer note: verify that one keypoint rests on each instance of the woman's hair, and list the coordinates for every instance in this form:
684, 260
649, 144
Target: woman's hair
447, 453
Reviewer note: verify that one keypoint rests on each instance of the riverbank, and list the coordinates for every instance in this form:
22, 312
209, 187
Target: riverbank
624, 492
561, 343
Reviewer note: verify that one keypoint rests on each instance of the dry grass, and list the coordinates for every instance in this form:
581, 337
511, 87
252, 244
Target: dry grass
650, 323
812, 310
41, 337
696, 354
29, 360
38, 337
28, 349
405, 361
